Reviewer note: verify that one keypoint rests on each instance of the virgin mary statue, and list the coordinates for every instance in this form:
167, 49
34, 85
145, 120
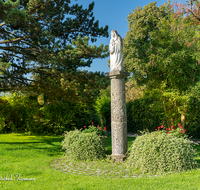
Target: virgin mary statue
116, 52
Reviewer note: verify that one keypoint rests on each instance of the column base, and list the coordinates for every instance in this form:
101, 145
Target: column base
118, 158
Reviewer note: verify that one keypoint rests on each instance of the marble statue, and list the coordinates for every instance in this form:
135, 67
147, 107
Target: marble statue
116, 52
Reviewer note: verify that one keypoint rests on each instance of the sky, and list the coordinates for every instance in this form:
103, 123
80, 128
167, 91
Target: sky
113, 13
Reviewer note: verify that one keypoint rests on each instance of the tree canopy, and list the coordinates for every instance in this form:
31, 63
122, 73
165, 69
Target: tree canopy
50, 39
162, 53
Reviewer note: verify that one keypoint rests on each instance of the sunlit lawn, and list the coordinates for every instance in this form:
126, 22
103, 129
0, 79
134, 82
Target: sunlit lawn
30, 157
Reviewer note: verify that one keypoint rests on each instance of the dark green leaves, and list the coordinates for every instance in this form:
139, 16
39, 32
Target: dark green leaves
52, 35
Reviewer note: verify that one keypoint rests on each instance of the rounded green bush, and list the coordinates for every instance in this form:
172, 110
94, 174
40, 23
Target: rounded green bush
160, 153
82, 146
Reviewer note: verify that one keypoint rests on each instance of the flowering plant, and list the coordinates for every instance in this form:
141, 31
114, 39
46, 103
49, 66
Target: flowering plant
179, 131
99, 131
161, 152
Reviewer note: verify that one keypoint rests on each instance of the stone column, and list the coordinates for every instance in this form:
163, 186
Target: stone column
118, 115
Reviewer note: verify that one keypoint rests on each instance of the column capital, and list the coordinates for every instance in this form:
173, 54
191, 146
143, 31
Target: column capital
117, 74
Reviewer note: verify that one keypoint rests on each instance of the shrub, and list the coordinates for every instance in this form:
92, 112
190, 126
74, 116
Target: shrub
82, 146
22, 113
98, 130
144, 113
178, 132
160, 153
192, 118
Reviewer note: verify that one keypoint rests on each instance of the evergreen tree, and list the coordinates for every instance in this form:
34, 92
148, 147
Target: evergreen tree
50, 39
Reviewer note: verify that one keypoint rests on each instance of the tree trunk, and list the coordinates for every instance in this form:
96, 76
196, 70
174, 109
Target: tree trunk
183, 115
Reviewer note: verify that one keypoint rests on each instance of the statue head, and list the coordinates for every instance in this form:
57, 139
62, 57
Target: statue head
116, 37
114, 34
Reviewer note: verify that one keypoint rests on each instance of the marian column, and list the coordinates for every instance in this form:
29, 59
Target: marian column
118, 99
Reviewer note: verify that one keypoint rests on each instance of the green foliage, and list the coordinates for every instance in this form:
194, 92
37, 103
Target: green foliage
51, 41
14, 112
82, 146
81, 86
98, 130
133, 90
103, 108
162, 53
131, 124
144, 113
193, 118
177, 132
137, 43
147, 112
23, 113
4, 109
160, 153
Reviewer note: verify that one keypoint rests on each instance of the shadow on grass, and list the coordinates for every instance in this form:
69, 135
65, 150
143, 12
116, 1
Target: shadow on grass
49, 151
38, 139
49, 145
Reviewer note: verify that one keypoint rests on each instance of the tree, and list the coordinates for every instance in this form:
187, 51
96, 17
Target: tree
103, 108
142, 22
133, 90
192, 7
50, 39
191, 11
162, 53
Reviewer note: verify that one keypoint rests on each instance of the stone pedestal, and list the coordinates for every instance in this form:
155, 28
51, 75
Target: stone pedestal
118, 115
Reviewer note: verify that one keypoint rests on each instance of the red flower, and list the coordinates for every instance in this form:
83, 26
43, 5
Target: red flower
168, 132
179, 124
172, 127
84, 126
162, 126
100, 128
180, 127
166, 128
185, 130
156, 129
105, 128
92, 122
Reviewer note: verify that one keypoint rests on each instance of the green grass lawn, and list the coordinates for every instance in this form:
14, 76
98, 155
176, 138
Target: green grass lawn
23, 156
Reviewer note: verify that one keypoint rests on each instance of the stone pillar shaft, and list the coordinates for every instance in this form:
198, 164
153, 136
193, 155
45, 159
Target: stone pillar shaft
118, 115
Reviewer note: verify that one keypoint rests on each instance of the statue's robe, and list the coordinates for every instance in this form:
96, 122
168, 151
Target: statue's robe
116, 54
